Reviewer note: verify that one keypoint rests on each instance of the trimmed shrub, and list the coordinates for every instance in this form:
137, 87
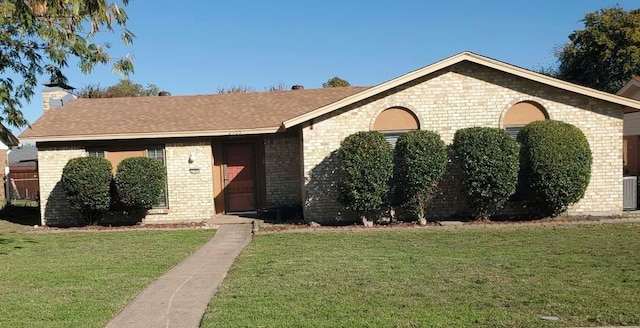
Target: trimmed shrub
86, 182
555, 162
420, 161
365, 165
139, 183
488, 159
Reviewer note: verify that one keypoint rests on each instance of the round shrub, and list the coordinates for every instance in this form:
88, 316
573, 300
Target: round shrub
488, 160
140, 182
420, 161
86, 182
364, 169
555, 161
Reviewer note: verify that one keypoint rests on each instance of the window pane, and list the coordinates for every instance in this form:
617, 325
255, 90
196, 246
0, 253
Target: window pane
95, 152
513, 131
392, 140
157, 152
392, 137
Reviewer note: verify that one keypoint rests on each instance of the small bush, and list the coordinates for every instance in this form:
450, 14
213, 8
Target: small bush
364, 169
555, 164
488, 159
139, 183
86, 182
420, 161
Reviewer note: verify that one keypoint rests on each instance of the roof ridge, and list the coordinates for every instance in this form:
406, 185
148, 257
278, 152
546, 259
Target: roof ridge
179, 116
230, 94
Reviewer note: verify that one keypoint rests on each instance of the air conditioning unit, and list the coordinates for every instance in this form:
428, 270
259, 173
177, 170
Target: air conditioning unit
630, 193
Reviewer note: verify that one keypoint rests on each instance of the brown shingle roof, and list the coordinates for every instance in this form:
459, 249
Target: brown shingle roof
108, 118
7, 137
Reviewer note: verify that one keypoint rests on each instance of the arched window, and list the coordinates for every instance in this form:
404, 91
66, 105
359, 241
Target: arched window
393, 122
522, 114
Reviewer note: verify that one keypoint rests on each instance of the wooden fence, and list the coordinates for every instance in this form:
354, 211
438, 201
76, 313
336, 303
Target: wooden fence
23, 183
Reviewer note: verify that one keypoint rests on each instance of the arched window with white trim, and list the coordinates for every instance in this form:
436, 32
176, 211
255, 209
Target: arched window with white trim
394, 121
521, 114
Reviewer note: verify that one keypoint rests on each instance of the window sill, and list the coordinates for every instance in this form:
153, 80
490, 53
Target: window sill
158, 211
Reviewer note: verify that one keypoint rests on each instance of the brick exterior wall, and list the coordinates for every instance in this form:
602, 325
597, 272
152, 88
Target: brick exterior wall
466, 95
283, 170
54, 209
190, 185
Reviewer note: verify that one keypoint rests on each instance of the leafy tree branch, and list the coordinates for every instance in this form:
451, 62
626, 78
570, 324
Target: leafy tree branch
40, 37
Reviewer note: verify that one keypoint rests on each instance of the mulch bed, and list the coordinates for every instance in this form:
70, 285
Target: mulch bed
146, 226
285, 227
299, 227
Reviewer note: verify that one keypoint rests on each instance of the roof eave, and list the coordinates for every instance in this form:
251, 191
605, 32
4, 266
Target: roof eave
628, 90
7, 137
625, 90
151, 135
629, 104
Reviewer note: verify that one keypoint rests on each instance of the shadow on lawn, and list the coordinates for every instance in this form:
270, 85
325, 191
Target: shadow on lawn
23, 215
7, 245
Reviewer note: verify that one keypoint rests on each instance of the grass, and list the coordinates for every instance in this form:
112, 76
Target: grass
25, 203
82, 279
506, 277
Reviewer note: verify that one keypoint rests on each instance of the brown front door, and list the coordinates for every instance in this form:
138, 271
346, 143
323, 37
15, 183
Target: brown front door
240, 182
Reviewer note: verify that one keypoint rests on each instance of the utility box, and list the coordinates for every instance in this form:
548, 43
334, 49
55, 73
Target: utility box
630, 193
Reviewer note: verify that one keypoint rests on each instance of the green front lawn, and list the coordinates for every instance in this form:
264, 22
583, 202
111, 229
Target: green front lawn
505, 277
82, 279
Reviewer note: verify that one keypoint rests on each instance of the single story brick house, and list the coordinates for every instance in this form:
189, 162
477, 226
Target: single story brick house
240, 152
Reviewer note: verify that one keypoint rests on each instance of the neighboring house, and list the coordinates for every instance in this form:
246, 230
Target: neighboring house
24, 155
631, 130
240, 152
7, 140
22, 180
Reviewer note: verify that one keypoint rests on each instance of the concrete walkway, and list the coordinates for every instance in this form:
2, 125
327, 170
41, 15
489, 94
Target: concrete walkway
180, 297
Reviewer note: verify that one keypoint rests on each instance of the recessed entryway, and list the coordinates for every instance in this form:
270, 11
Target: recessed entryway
240, 176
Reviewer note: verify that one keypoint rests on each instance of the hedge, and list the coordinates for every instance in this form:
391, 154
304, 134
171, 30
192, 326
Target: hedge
86, 183
420, 161
139, 182
365, 165
555, 161
488, 159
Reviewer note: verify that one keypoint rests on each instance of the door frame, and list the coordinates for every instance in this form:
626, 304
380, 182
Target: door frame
254, 172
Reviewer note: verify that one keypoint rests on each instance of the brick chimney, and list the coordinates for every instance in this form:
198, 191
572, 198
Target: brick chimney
55, 96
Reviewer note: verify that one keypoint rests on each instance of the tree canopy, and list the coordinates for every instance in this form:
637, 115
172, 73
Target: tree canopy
40, 37
605, 54
236, 89
241, 88
336, 82
124, 88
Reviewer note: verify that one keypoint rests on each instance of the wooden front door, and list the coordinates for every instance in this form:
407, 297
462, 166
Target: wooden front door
239, 176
